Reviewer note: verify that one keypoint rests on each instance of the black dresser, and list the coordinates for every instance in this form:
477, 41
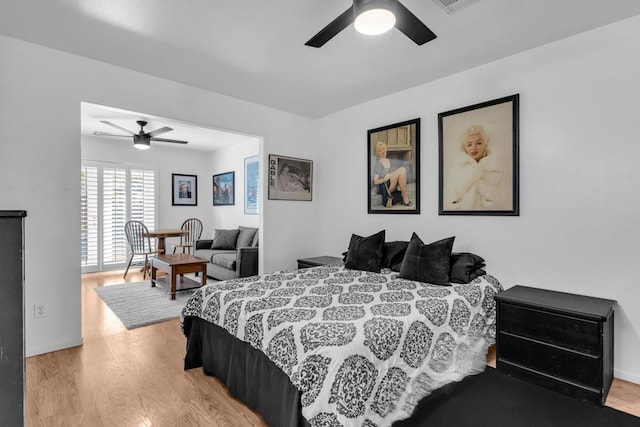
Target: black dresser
557, 340
11, 318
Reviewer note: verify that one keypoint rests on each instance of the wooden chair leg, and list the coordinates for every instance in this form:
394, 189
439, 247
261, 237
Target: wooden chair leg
128, 265
146, 262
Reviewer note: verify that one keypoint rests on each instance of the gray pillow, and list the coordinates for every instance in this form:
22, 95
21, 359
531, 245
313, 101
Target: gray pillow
225, 239
245, 238
255, 239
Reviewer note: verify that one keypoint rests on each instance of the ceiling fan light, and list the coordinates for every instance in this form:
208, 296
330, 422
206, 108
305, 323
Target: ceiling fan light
141, 143
375, 21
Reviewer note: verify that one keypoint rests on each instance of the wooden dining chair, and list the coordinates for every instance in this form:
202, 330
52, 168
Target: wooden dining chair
194, 228
139, 244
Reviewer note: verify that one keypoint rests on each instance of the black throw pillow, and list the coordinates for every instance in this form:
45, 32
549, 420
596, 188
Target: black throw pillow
393, 254
465, 267
427, 263
365, 253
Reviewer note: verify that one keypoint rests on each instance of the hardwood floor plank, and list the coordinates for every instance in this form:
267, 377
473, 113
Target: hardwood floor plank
135, 377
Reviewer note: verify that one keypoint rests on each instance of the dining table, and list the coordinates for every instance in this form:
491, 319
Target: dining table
161, 236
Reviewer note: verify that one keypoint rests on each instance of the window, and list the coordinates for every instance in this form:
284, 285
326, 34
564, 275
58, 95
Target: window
111, 195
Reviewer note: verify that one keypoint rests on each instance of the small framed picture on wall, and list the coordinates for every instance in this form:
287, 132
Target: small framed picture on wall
184, 190
224, 185
251, 185
290, 178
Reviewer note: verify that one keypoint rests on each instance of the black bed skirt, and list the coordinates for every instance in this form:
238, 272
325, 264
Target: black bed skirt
248, 374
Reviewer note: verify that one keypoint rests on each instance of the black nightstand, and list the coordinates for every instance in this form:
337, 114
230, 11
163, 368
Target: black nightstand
318, 261
557, 340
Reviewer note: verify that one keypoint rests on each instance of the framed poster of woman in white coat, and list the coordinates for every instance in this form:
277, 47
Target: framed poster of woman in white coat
478, 155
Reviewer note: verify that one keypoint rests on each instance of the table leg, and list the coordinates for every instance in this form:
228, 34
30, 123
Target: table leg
161, 246
173, 283
154, 269
204, 274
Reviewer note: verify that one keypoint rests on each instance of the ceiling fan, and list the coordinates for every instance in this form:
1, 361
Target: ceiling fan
374, 17
142, 139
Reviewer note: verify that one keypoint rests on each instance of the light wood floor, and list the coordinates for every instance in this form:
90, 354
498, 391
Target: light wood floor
135, 377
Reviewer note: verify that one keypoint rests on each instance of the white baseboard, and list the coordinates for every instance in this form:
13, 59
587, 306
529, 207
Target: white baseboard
632, 378
53, 347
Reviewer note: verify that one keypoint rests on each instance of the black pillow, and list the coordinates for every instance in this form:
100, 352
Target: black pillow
465, 267
393, 254
365, 253
427, 263
225, 239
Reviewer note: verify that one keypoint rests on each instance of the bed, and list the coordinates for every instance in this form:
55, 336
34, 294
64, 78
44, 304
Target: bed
331, 346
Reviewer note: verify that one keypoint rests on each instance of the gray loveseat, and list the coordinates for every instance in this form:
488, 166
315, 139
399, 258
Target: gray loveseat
231, 253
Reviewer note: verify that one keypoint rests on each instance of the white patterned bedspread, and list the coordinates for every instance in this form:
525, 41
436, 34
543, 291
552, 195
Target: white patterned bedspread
363, 348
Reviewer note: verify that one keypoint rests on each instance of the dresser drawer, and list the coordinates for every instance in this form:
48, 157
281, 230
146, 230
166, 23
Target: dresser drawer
581, 368
558, 329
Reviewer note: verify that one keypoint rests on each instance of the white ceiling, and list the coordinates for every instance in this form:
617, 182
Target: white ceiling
254, 49
198, 137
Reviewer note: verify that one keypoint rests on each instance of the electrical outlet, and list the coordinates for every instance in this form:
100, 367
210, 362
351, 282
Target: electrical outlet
39, 311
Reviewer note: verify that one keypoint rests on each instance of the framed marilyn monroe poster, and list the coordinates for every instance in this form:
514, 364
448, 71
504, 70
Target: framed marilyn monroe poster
478, 156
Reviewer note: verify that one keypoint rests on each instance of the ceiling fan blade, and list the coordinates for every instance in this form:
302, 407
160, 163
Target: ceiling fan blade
176, 141
98, 133
328, 32
412, 27
117, 127
159, 131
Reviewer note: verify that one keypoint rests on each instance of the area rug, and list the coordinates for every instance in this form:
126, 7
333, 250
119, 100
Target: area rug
495, 399
138, 304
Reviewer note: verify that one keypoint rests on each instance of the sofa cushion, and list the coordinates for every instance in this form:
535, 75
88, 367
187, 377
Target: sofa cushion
226, 260
246, 236
225, 239
208, 254
255, 239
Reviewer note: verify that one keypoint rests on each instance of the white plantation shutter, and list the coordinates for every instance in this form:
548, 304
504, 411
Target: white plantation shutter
114, 215
111, 196
143, 196
89, 218
143, 201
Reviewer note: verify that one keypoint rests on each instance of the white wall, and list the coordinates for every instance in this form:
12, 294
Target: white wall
232, 160
578, 226
42, 90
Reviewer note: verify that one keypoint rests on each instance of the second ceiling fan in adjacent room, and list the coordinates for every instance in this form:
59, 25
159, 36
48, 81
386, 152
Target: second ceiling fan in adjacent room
142, 139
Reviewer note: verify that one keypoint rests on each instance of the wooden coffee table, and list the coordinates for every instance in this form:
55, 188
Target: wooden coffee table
177, 265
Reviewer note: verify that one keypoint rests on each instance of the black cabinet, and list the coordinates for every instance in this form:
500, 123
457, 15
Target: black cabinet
11, 319
558, 340
318, 261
